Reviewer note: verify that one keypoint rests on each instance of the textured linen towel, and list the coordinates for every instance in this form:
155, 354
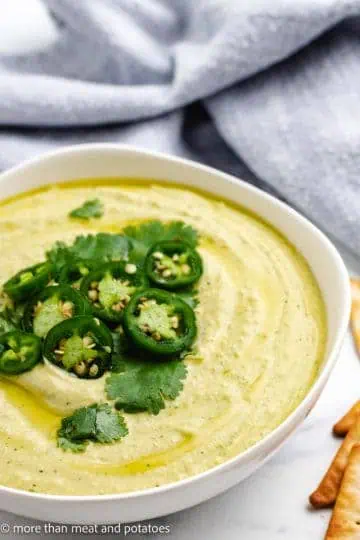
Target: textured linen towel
267, 90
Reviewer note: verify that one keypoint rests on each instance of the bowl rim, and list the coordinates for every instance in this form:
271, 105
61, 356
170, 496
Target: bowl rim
315, 389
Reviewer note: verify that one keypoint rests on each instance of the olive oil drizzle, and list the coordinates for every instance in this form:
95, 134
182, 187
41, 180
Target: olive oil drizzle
37, 413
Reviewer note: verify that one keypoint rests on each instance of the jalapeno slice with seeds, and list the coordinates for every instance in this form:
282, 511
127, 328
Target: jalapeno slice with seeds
52, 306
160, 322
72, 274
19, 352
81, 346
110, 287
173, 265
29, 281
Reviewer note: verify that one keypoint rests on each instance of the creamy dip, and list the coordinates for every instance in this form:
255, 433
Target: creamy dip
262, 333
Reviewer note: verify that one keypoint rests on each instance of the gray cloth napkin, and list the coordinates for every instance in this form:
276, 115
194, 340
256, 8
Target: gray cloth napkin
266, 89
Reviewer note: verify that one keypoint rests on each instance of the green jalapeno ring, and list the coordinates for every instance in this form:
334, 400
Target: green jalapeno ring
110, 287
72, 274
29, 281
173, 265
168, 330
81, 346
60, 303
19, 352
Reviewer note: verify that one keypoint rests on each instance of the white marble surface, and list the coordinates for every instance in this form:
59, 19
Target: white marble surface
272, 504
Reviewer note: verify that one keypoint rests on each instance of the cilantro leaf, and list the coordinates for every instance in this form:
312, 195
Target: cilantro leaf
110, 247
60, 255
67, 444
143, 236
145, 385
110, 425
98, 423
90, 209
102, 247
80, 425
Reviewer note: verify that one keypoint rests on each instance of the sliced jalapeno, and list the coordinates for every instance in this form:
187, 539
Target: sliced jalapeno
72, 274
159, 322
19, 352
6, 325
110, 287
52, 306
82, 346
173, 265
29, 281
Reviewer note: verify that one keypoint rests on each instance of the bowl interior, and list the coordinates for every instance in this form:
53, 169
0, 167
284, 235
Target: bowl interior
106, 161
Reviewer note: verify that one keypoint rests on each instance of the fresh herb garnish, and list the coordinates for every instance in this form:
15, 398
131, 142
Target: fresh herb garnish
98, 423
100, 247
140, 379
90, 209
72, 445
60, 255
134, 243
143, 236
144, 385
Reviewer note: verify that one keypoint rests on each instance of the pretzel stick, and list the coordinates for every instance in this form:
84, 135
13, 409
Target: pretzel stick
342, 427
345, 520
355, 311
326, 493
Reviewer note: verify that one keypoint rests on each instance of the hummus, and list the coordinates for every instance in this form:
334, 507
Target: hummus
262, 333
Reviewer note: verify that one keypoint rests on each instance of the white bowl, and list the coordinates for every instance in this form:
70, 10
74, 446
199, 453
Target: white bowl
110, 160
